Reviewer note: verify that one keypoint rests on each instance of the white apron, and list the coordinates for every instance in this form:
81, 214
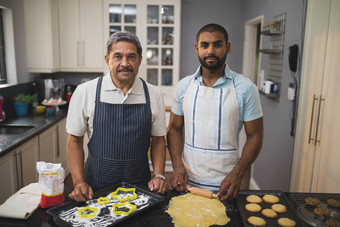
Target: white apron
211, 134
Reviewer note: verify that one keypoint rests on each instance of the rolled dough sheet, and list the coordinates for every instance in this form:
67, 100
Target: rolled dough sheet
195, 210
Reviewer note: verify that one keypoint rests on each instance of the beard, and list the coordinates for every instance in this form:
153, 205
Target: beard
212, 66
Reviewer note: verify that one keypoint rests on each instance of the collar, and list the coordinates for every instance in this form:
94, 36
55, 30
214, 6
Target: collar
227, 75
108, 85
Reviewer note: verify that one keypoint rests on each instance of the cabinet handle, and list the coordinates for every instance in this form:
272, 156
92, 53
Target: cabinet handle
16, 165
83, 54
22, 172
311, 121
78, 54
318, 122
58, 151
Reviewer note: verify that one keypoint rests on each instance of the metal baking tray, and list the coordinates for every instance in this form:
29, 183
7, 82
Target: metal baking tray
305, 211
153, 199
241, 202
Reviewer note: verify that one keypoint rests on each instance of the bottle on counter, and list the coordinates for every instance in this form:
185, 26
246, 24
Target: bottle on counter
35, 99
68, 94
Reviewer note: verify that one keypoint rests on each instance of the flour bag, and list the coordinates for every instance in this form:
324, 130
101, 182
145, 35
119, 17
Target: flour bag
51, 183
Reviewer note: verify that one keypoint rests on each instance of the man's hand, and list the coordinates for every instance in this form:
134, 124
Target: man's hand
81, 192
179, 180
158, 185
230, 187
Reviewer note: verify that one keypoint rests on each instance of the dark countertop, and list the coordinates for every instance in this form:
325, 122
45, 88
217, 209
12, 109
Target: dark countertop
9, 142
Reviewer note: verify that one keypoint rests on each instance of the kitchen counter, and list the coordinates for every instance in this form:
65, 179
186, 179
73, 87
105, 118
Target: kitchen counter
9, 142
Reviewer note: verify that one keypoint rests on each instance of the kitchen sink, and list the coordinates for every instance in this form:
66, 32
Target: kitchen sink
14, 129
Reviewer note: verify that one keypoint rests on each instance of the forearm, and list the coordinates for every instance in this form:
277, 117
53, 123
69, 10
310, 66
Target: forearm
175, 145
75, 155
158, 154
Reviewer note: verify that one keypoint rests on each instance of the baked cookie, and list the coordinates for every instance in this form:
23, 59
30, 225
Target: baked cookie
253, 207
312, 201
270, 198
257, 221
279, 208
321, 211
287, 222
332, 223
333, 203
269, 213
253, 199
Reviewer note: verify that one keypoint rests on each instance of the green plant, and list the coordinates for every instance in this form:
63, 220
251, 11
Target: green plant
23, 98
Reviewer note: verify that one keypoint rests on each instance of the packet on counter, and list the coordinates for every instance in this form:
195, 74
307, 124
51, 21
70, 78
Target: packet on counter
51, 183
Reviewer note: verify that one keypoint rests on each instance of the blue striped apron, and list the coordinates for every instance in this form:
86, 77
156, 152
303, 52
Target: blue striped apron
211, 134
119, 143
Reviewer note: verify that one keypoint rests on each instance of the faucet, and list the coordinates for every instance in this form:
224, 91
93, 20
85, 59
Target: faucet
2, 112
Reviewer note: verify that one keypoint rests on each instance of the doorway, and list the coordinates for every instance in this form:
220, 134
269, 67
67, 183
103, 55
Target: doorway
251, 70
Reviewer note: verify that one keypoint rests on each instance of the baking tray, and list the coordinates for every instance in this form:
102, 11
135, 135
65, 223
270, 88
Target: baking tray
241, 202
58, 212
305, 211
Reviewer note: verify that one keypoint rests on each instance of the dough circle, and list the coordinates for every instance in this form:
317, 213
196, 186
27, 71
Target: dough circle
195, 210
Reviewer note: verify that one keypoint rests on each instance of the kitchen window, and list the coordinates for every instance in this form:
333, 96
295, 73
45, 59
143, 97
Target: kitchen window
3, 78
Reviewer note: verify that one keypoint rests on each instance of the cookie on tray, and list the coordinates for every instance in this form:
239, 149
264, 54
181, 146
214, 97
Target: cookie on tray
269, 213
312, 201
286, 222
257, 221
253, 207
270, 198
333, 203
332, 223
279, 208
253, 199
321, 212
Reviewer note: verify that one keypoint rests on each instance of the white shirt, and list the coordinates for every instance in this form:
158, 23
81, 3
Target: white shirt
81, 108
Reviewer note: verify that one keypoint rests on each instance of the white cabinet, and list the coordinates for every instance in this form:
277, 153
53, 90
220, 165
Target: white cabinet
61, 156
157, 25
41, 31
82, 46
20, 168
48, 144
316, 153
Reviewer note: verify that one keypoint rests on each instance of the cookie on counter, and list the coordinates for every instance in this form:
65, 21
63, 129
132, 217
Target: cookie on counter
333, 203
270, 198
286, 222
332, 223
269, 213
279, 208
312, 201
253, 199
257, 221
321, 211
253, 207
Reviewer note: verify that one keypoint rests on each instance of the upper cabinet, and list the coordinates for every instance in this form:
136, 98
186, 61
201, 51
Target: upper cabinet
81, 36
42, 38
157, 25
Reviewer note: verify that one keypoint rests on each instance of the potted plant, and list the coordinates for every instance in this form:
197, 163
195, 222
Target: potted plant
21, 102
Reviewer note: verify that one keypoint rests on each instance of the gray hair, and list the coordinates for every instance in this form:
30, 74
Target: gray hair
123, 36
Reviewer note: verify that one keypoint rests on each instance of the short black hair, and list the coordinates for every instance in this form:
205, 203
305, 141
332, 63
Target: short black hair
213, 28
123, 36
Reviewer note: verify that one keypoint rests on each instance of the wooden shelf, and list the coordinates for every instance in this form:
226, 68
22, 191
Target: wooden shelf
270, 51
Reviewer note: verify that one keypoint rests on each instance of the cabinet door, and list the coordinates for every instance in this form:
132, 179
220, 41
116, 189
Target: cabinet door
69, 34
62, 140
48, 145
28, 154
41, 30
8, 176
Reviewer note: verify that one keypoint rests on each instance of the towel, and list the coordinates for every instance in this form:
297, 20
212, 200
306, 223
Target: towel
23, 203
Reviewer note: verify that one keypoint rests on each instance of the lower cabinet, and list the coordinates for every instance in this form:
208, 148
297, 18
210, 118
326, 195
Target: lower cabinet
18, 168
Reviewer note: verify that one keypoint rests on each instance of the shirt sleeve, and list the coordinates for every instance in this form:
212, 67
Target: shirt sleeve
178, 96
158, 117
76, 122
252, 105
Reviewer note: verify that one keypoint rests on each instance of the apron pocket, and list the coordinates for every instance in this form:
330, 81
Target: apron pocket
113, 171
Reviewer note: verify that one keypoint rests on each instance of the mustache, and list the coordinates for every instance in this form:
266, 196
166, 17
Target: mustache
212, 56
125, 69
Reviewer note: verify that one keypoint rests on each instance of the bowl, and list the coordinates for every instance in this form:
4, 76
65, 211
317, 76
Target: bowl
51, 110
40, 109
